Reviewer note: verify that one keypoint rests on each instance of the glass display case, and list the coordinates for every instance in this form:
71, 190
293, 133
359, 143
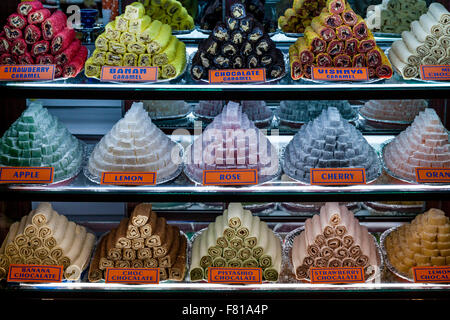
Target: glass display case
295, 118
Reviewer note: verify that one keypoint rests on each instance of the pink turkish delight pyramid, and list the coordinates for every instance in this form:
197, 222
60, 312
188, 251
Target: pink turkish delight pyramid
423, 144
232, 141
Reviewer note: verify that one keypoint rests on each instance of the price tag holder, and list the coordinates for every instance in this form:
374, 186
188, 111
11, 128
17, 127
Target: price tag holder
337, 275
26, 174
431, 274
433, 175
337, 176
34, 273
129, 74
433, 72
237, 75
129, 178
235, 275
339, 74
132, 275
230, 177
27, 72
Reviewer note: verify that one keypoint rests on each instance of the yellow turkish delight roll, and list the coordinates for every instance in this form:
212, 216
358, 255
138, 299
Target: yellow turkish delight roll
168, 54
161, 40
111, 33
174, 67
187, 24
127, 37
91, 69
136, 47
101, 42
151, 32
130, 59
121, 23
138, 25
117, 47
99, 57
181, 15
113, 59
145, 60
172, 7
134, 11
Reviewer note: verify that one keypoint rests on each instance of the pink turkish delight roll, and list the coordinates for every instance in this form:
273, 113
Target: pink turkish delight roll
18, 47
69, 53
12, 33
40, 47
7, 58
17, 21
32, 34
26, 58
76, 65
62, 40
54, 25
58, 71
39, 16
24, 8
4, 45
45, 59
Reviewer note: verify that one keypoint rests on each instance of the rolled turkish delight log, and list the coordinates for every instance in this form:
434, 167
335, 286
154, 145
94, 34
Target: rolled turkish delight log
121, 23
17, 21
198, 72
256, 34
26, 58
246, 24
69, 53
314, 42
351, 47
127, 38
238, 62
374, 58
130, 59
136, 47
305, 55
385, 69
117, 47
414, 45
39, 16
59, 71
324, 31
366, 45
40, 47
335, 6
178, 269
360, 30
335, 47
444, 41
32, 34
264, 45
76, 65
247, 49
349, 16
99, 57
4, 45
344, 32
431, 26
62, 40
324, 60
232, 23
145, 60
111, 33
342, 61
24, 8
102, 43
169, 259
159, 234
331, 20
407, 71
175, 66
73, 272
439, 12
168, 54
95, 273
359, 60
115, 59
403, 53
161, 40
53, 25
12, 33
422, 35
295, 64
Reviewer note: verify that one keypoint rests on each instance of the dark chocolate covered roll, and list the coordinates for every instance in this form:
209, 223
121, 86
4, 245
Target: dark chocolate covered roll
264, 45
220, 32
246, 49
252, 61
205, 60
198, 72
221, 62
210, 46
229, 49
237, 10
256, 34
275, 71
246, 24
238, 62
237, 37
232, 23
267, 60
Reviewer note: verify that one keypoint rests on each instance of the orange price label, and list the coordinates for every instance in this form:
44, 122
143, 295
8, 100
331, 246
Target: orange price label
433, 72
340, 74
26, 174
230, 177
424, 175
27, 72
337, 275
132, 275
127, 74
34, 273
129, 178
237, 75
431, 274
337, 176
235, 275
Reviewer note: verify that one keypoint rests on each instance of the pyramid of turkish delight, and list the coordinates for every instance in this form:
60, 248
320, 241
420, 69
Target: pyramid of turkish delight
45, 237
338, 37
304, 111
236, 239
238, 42
427, 42
423, 242
334, 238
142, 240
393, 110
423, 144
134, 144
38, 139
232, 141
329, 141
